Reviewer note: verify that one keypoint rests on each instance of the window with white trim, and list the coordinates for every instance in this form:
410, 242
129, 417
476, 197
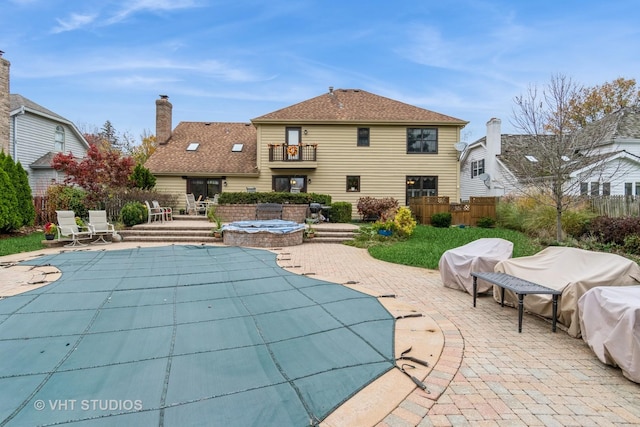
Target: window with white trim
477, 168
58, 141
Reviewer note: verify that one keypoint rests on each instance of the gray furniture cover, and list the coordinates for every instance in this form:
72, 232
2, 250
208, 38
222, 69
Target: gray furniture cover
481, 255
570, 270
610, 323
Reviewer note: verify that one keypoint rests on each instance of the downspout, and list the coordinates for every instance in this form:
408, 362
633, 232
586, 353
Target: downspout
15, 133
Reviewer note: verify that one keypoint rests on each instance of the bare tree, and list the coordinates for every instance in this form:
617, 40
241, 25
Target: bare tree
550, 154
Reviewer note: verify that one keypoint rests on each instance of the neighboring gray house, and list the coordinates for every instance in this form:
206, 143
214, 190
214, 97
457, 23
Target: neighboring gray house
488, 166
36, 135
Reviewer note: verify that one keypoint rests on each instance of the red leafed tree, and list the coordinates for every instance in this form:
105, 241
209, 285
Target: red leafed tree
98, 173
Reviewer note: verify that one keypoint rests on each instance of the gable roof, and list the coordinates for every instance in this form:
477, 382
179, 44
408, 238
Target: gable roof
355, 105
17, 101
213, 156
621, 124
19, 104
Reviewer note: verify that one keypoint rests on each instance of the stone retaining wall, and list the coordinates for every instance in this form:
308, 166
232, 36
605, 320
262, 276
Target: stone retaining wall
261, 239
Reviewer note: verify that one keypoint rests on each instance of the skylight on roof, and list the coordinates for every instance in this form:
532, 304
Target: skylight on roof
237, 147
193, 146
531, 159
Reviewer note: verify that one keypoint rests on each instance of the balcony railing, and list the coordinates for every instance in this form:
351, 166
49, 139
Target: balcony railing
293, 153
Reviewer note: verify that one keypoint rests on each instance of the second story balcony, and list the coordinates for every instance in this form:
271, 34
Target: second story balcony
302, 156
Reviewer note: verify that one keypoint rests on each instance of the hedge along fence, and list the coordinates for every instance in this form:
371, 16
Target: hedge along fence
46, 213
461, 213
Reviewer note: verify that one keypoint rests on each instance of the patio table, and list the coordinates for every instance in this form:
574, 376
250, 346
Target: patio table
520, 287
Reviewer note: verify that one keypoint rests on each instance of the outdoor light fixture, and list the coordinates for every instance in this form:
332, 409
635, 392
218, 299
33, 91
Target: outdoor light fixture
306, 131
309, 181
224, 182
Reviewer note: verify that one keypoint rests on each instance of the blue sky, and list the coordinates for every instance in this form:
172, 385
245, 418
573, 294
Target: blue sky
97, 60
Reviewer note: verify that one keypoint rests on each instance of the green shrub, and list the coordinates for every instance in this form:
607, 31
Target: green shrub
25, 199
142, 178
486, 222
576, 222
19, 180
9, 219
66, 198
234, 198
340, 212
133, 213
509, 215
441, 220
632, 244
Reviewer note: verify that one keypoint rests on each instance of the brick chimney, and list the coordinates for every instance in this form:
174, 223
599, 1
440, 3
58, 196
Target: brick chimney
5, 105
163, 119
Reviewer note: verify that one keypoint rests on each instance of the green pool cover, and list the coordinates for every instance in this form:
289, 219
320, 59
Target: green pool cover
186, 335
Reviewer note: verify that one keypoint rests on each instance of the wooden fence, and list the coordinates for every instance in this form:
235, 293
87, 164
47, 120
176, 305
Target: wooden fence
616, 206
113, 206
461, 213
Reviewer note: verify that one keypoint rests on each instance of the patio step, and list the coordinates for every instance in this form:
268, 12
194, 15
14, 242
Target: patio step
197, 229
331, 234
179, 230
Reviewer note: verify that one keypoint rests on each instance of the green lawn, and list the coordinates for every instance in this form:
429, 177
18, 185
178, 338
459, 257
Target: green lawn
423, 249
427, 244
24, 243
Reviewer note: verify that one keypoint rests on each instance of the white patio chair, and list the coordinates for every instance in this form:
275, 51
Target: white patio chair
193, 206
100, 226
167, 212
153, 214
68, 229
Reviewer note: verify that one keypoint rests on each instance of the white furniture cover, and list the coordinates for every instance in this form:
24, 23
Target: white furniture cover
570, 270
482, 255
610, 323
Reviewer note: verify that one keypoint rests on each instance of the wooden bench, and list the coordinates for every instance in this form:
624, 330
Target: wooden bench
268, 211
520, 287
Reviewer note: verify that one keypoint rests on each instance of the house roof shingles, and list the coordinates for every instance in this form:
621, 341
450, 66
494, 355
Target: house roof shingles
213, 155
16, 101
355, 105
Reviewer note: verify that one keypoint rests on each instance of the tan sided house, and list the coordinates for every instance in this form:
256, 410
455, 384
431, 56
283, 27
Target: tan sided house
348, 143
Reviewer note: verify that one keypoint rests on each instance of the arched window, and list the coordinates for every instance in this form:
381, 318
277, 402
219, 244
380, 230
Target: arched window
59, 139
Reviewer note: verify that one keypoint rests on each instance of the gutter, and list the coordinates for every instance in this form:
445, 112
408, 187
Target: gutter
15, 133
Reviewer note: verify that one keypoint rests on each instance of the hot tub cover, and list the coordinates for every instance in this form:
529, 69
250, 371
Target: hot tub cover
480, 255
570, 270
186, 335
610, 324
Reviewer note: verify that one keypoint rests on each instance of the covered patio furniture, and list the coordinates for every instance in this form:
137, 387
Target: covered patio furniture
480, 255
167, 212
153, 214
193, 206
570, 270
610, 324
68, 229
100, 226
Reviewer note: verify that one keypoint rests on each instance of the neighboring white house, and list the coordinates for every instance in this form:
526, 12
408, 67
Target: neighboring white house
36, 135
488, 166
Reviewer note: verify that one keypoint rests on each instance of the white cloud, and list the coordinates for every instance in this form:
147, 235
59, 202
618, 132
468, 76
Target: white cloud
73, 22
129, 7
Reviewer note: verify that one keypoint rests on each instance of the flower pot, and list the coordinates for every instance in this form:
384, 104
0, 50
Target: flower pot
49, 236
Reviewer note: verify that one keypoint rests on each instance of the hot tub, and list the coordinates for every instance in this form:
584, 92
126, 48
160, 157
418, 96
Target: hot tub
263, 233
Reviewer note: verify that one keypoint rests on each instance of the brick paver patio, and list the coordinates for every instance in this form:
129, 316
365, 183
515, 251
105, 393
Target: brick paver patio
487, 374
